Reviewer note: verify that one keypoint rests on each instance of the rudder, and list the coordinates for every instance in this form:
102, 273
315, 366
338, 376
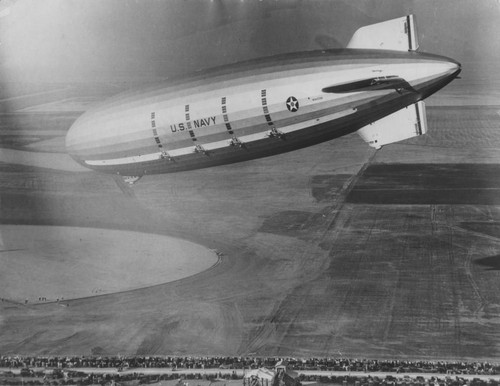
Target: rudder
397, 34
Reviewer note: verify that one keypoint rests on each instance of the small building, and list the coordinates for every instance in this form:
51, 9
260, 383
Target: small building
281, 375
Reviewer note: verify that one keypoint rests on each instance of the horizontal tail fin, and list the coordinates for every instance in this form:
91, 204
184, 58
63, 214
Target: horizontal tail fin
397, 34
403, 124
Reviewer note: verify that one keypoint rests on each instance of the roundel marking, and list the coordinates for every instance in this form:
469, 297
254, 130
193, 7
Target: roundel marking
292, 104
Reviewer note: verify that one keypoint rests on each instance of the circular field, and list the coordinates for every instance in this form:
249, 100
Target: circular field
52, 262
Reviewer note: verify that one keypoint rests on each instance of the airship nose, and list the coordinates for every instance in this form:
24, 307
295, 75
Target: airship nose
75, 138
72, 139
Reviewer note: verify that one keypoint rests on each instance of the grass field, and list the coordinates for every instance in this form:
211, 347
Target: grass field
331, 250
57, 263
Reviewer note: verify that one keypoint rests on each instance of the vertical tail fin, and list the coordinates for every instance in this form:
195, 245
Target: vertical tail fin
397, 34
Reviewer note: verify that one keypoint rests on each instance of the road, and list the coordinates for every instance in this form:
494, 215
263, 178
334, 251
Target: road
241, 373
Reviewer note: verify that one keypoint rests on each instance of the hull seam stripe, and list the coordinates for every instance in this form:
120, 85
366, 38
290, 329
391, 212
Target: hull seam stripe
225, 116
188, 122
265, 108
155, 132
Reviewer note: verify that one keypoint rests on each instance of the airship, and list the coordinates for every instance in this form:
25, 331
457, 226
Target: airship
266, 106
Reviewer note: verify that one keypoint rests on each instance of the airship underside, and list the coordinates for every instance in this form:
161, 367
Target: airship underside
267, 106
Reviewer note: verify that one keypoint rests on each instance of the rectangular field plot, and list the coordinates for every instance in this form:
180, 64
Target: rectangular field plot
462, 127
448, 184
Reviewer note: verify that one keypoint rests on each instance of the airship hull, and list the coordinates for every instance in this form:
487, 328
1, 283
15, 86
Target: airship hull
253, 109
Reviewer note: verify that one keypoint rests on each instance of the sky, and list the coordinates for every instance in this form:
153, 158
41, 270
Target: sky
109, 40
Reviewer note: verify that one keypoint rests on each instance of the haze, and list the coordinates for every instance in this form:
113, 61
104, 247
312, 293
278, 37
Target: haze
124, 40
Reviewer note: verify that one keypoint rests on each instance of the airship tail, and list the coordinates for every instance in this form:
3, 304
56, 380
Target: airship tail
397, 34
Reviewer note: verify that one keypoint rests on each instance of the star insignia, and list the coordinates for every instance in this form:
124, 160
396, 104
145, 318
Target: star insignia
292, 104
